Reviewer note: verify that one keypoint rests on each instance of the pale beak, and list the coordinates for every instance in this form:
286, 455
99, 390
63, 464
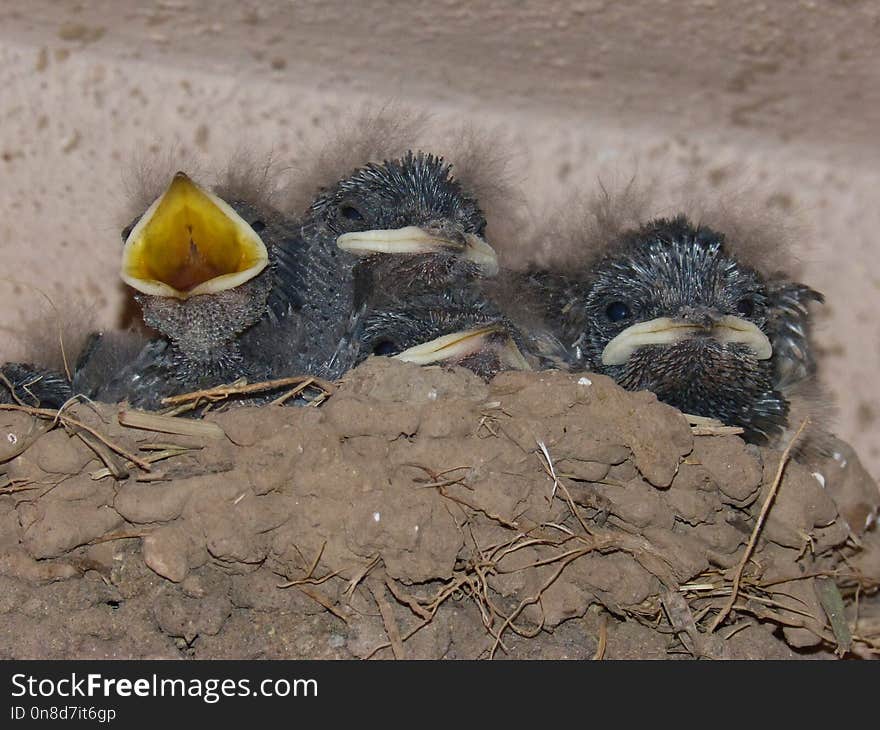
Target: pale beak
190, 242
666, 331
416, 240
459, 345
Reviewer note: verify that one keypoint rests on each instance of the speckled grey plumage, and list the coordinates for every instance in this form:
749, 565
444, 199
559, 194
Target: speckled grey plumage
339, 289
673, 268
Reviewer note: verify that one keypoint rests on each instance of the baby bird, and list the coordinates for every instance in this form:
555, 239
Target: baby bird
386, 232
671, 308
202, 269
455, 328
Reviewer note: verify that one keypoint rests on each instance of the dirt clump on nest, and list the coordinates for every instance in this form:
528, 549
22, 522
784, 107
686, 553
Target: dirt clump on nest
423, 513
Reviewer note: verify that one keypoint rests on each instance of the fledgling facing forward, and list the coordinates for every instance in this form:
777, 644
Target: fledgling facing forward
388, 223
680, 309
201, 262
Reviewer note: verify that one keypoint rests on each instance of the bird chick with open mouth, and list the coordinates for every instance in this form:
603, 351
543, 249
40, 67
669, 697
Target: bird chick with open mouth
453, 328
201, 268
671, 308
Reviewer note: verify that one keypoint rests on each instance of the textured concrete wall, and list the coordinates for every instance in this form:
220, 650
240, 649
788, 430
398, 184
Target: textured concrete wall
778, 100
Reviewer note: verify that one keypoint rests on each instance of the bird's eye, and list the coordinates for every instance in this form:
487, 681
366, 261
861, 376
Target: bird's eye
349, 212
126, 232
385, 348
746, 307
617, 311
258, 226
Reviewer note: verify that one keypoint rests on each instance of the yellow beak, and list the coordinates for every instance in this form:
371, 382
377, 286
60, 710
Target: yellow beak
190, 242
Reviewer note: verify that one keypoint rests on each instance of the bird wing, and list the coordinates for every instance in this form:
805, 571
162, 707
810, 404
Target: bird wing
789, 328
33, 386
289, 269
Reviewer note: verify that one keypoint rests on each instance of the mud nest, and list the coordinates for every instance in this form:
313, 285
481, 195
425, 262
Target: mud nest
422, 513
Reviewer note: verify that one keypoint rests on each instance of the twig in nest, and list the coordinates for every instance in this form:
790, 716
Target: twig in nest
320, 598
705, 426
551, 472
12, 487
119, 536
548, 466
529, 601
114, 465
293, 392
166, 453
683, 624
169, 424
309, 576
224, 391
602, 642
765, 509
11, 388
353, 583
832, 604
695, 420
391, 628
407, 601
717, 430
476, 508
37, 428
69, 421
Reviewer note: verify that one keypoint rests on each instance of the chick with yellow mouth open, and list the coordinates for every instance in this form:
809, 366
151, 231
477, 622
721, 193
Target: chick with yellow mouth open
198, 269
201, 268
190, 242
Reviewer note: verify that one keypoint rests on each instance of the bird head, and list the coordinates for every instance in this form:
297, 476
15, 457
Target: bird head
197, 263
445, 330
409, 213
669, 309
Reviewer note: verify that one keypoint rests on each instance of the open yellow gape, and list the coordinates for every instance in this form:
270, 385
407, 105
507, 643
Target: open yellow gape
191, 242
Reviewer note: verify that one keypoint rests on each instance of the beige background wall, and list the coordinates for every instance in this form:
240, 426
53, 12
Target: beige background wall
776, 100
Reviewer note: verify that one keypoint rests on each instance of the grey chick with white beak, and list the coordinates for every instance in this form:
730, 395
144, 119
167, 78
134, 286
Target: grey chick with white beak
671, 307
388, 229
459, 327
414, 226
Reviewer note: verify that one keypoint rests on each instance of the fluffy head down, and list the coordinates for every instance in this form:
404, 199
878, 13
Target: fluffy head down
450, 328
